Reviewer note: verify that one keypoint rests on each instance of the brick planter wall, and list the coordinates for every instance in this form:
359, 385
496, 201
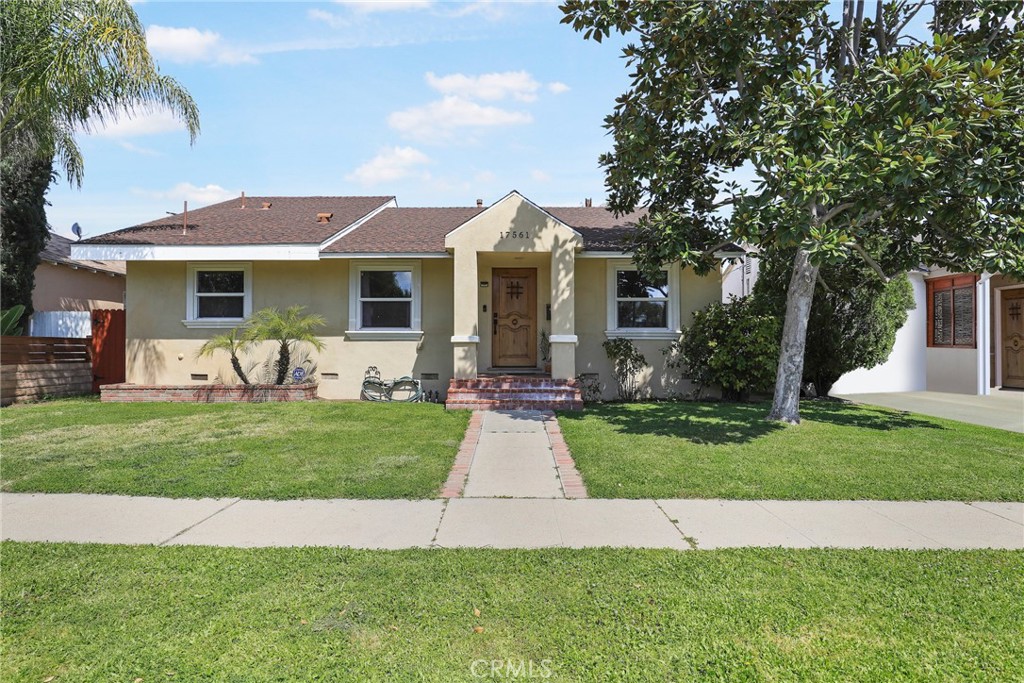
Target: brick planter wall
206, 393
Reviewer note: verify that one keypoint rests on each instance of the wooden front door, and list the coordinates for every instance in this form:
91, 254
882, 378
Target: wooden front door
1013, 338
514, 318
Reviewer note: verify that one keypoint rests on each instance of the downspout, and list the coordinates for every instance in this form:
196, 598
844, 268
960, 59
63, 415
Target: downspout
983, 296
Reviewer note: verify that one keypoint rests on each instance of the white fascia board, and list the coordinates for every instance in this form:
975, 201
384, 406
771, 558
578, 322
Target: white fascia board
389, 204
383, 255
604, 254
217, 252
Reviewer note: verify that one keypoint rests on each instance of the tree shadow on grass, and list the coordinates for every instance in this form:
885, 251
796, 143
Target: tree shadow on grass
738, 423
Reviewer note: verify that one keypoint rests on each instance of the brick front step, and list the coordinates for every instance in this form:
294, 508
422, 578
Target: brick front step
514, 393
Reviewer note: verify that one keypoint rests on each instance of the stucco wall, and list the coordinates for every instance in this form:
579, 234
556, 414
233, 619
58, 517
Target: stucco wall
905, 370
62, 288
161, 350
592, 322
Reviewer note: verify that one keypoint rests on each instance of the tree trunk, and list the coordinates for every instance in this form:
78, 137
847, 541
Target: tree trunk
237, 365
283, 361
786, 406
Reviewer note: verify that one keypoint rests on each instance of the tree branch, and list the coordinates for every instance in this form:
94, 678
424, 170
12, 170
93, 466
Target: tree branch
710, 96
883, 47
871, 261
906, 19
833, 212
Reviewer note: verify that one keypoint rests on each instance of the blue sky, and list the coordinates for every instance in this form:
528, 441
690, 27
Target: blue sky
438, 103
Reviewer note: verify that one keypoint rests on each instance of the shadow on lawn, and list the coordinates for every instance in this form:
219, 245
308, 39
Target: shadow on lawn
735, 423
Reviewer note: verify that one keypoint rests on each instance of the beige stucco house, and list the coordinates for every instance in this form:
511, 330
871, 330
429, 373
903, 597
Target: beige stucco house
438, 293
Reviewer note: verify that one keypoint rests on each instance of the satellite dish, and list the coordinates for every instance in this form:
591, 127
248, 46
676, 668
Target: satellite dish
77, 230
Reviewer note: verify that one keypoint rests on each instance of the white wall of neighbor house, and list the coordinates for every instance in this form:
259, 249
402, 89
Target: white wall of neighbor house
907, 366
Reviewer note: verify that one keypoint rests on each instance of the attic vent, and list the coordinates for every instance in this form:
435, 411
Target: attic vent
588, 202
324, 217
266, 205
479, 203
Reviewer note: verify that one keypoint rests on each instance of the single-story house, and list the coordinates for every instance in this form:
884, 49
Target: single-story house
446, 295
67, 289
964, 336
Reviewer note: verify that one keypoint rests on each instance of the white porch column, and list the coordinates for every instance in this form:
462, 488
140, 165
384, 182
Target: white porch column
563, 310
983, 335
465, 332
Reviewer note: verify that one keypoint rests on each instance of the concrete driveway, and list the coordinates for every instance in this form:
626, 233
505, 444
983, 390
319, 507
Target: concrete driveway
1003, 408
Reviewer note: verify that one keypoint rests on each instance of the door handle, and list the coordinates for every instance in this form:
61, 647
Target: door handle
495, 319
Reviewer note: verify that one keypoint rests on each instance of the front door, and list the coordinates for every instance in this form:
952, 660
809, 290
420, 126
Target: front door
514, 318
1013, 338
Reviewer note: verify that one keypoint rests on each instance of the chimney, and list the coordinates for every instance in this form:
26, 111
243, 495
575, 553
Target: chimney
243, 199
184, 223
266, 205
588, 202
324, 217
479, 203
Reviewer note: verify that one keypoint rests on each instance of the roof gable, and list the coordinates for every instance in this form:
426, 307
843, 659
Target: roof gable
513, 223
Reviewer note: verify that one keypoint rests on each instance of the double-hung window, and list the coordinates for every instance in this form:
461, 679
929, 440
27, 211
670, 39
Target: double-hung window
385, 300
642, 305
219, 294
951, 318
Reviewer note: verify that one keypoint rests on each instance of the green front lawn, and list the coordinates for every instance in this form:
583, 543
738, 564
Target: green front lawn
839, 451
107, 613
280, 450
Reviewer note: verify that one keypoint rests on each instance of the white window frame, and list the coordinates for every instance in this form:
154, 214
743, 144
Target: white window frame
192, 295
670, 331
355, 318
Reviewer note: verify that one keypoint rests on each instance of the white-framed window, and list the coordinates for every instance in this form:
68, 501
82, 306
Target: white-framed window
385, 300
219, 294
642, 307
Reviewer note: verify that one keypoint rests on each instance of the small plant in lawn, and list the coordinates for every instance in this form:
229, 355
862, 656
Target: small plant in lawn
627, 364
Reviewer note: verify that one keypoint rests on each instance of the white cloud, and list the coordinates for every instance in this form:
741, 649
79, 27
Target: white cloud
485, 177
438, 121
145, 151
137, 123
519, 85
557, 87
370, 6
329, 18
540, 176
190, 45
207, 194
487, 9
390, 164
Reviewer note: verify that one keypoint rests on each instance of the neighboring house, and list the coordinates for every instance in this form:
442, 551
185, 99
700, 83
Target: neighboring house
739, 274
67, 289
437, 293
966, 336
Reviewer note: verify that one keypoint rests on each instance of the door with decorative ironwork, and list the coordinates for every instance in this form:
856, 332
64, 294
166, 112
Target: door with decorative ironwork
514, 318
1013, 338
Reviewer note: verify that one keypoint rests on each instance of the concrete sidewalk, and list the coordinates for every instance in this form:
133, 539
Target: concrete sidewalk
510, 523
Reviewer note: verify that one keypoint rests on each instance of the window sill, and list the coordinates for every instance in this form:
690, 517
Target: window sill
213, 323
384, 335
669, 335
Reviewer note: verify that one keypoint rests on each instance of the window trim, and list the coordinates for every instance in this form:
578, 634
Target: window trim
356, 330
192, 295
670, 331
951, 283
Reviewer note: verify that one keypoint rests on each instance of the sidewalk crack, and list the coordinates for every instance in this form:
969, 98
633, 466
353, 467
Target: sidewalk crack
675, 523
193, 526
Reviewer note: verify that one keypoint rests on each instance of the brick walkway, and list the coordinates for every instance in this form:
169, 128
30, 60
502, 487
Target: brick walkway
514, 454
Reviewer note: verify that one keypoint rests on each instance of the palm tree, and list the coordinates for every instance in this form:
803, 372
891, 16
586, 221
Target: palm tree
233, 343
71, 65
288, 329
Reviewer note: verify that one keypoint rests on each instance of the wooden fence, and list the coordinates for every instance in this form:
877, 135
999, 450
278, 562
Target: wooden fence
35, 367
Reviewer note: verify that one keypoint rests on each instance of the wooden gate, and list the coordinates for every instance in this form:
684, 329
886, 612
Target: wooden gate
108, 336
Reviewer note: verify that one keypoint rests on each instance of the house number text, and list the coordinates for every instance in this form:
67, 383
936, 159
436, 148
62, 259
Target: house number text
514, 235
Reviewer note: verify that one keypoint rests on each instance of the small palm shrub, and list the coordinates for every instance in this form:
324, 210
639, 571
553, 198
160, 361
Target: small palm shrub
233, 344
289, 328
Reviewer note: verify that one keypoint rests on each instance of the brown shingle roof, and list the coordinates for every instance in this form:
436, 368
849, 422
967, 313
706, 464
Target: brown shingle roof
404, 231
289, 220
422, 230
58, 250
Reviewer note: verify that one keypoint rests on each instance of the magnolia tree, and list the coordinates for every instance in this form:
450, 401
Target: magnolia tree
893, 135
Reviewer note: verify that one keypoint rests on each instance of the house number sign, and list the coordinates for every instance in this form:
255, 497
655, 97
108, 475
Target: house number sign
514, 235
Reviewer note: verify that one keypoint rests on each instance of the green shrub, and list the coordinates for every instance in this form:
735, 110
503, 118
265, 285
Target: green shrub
732, 346
627, 362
